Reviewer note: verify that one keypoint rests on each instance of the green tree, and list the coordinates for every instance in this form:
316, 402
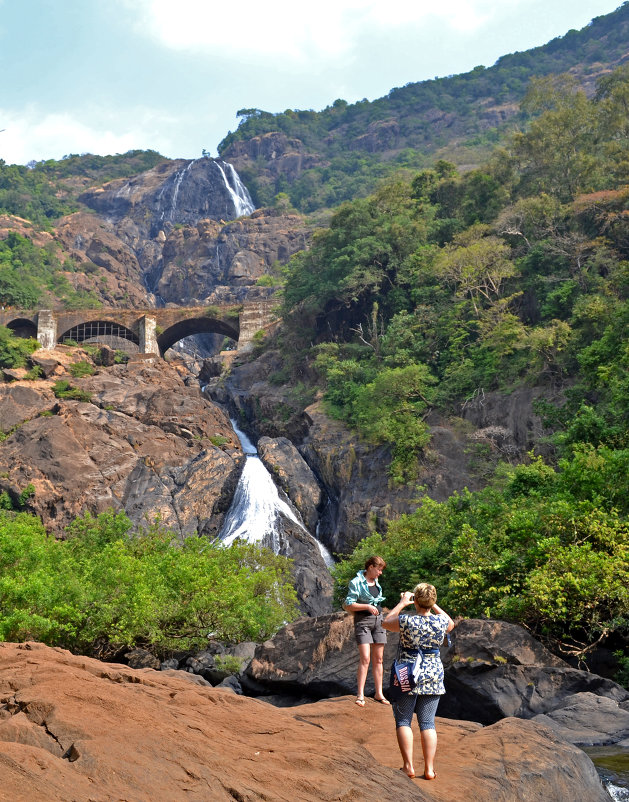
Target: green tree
107, 588
14, 351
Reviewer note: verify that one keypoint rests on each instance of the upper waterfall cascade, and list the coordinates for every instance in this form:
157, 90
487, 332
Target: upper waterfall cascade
238, 191
168, 197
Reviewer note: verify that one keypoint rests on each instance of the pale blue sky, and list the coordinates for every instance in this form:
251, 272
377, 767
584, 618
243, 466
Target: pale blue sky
105, 76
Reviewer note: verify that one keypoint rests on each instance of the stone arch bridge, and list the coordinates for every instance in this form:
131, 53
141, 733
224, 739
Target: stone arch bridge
145, 331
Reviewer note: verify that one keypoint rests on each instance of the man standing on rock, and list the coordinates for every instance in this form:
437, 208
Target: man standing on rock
364, 599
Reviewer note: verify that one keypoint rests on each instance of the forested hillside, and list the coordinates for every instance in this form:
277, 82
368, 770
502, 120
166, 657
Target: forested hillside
34, 267
482, 245
440, 288
342, 151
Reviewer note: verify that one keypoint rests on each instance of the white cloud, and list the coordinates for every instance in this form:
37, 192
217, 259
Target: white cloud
283, 29
33, 135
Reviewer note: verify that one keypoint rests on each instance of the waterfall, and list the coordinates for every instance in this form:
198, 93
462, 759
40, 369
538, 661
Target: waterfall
237, 190
179, 176
255, 511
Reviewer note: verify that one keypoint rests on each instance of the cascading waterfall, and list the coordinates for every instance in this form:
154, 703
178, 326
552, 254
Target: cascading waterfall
237, 190
179, 176
238, 193
256, 510
168, 212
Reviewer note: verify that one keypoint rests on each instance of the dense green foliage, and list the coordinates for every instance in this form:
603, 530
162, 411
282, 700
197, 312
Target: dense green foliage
14, 351
459, 116
30, 194
30, 275
100, 168
105, 588
545, 547
447, 286
44, 191
436, 290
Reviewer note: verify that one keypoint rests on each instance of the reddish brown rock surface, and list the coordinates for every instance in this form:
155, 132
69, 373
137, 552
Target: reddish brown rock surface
145, 443
74, 729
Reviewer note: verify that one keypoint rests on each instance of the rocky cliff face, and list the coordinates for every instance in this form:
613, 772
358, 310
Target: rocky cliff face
185, 232
357, 495
145, 443
211, 262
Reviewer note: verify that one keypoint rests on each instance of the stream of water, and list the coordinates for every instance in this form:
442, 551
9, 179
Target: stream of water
612, 763
257, 507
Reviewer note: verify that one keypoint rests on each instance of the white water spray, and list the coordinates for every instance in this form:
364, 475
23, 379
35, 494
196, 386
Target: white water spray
238, 191
257, 507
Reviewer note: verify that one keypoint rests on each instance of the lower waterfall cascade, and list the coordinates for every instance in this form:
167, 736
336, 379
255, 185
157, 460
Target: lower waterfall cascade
256, 508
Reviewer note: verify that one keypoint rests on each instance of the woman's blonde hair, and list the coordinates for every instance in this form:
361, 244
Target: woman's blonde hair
425, 595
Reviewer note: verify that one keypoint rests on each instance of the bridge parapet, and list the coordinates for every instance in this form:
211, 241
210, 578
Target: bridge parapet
145, 330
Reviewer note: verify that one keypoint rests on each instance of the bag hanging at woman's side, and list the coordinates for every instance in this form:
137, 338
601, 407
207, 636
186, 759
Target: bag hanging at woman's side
404, 674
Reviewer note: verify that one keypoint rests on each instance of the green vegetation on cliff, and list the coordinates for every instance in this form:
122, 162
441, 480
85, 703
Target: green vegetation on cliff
547, 548
105, 588
460, 117
31, 275
439, 288
14, 351
447, 285
45, 191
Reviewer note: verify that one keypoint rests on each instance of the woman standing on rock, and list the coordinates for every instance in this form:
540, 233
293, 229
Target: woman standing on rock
364, 598
422, 633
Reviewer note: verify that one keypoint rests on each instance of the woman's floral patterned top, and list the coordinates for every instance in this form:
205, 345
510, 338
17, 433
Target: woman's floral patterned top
424, 632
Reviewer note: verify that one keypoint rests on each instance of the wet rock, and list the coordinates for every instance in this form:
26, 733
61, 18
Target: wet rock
291, 472
311, 576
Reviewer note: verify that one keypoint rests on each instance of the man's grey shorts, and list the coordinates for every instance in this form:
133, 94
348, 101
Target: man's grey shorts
368, 628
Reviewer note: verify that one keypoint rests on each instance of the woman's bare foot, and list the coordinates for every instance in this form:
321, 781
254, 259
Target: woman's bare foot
430, 775
409, 771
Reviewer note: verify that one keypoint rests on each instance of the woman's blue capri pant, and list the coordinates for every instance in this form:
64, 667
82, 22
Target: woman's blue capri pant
424, 705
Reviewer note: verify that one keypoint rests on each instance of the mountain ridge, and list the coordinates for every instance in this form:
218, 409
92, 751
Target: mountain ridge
458, 117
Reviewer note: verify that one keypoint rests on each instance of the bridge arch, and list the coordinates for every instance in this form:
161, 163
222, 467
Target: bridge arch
105, 332
194, 325
23, 327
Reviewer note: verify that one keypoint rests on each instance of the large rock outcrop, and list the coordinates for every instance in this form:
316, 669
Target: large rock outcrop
184, 232
145, 443
316, 657
359, 495
587, 719
210, 261
493, 671
74, 728
289, 469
